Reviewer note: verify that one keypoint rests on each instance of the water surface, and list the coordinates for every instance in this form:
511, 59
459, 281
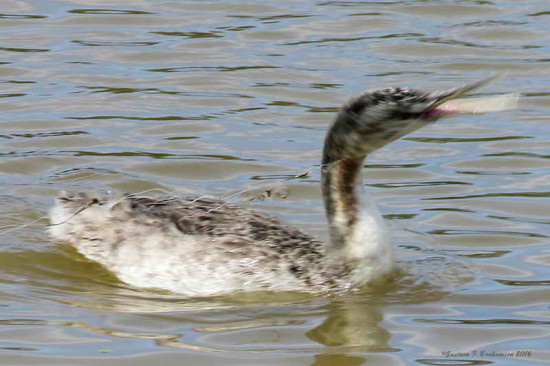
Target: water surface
219, 97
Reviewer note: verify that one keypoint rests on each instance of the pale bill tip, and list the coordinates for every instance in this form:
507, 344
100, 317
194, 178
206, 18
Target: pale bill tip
481, 105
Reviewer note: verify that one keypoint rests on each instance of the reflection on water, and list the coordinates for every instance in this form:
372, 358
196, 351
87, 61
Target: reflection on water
232, 99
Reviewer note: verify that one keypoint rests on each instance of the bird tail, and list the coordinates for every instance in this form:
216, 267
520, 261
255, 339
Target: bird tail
67, 206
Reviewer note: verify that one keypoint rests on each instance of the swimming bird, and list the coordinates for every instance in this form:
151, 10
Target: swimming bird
203, 246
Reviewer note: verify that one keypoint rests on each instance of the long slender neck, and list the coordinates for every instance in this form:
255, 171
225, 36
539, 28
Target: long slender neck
341, 185
357, 229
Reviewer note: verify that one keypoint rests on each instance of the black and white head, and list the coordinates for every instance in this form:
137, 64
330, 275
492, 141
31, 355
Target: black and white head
381, 116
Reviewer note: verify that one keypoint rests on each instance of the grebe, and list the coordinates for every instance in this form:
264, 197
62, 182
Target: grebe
201, 247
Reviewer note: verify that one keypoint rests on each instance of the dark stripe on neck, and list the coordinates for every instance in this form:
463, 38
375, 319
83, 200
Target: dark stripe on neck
339, 185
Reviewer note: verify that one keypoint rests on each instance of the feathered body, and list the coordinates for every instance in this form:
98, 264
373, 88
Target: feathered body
197, 246
201, 247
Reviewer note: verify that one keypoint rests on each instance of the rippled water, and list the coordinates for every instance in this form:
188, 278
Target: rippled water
204, 97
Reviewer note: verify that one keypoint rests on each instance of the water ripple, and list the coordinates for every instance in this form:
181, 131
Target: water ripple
231, 98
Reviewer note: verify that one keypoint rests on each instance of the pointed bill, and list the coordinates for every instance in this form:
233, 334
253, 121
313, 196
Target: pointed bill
481, 105
459, 92
446, 102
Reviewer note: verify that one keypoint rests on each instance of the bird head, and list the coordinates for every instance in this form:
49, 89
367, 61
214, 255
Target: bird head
380, 116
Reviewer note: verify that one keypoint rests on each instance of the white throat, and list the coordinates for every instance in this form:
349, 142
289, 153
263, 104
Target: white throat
359, 234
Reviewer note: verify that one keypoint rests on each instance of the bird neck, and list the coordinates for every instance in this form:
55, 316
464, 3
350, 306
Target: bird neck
358, 233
